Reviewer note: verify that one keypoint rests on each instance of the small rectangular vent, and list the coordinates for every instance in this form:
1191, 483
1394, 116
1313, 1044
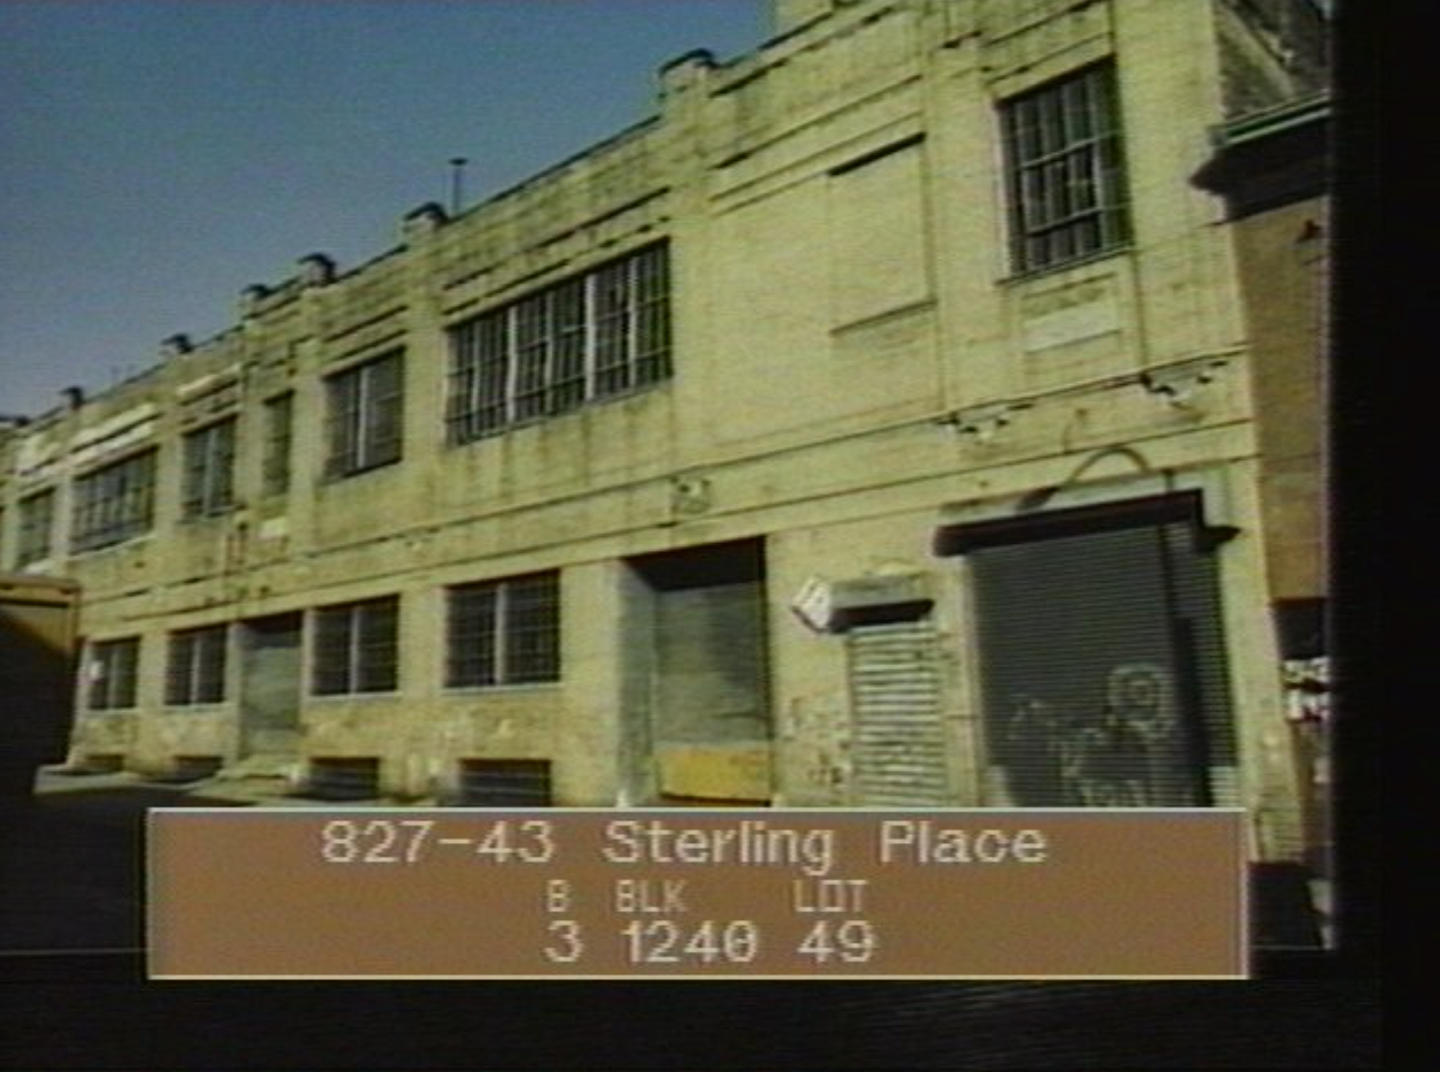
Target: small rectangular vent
343, 778
190, 769
504, 783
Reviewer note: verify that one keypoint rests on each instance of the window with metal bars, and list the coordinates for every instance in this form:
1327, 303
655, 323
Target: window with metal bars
37, 524
365, 416
195, 673
356, 648
504, 783
112, 673
601, 333
208, 486
1064, 170
115, 503
504, 632
279, 438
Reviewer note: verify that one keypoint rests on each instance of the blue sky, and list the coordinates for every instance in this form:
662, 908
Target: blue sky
156, 156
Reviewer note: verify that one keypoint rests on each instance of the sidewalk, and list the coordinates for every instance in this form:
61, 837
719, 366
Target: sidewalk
49, 781
220, 790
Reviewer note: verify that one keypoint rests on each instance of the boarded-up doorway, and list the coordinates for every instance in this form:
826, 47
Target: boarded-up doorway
270, 685
698, 641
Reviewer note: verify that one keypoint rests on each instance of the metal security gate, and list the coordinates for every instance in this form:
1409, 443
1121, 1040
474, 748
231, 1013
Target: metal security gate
898, 741
1103, 666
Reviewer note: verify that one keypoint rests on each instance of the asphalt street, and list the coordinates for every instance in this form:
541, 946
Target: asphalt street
71, 868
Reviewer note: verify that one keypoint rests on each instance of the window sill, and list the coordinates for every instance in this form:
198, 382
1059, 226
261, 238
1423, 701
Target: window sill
590, 404
203, 524
131, 542
338, 479
464, 691
342, 697
880, 320
1089, 260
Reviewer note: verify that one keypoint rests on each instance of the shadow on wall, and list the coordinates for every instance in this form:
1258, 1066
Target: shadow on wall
37, 680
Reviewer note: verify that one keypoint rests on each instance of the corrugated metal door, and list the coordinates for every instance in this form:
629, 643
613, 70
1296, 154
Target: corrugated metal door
1103, 669
710, 664
696, 676
898, 743
270, 684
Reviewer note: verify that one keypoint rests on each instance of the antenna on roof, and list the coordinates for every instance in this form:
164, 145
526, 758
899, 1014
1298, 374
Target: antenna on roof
457, 183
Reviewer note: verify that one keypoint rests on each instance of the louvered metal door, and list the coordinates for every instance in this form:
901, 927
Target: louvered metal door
898, 742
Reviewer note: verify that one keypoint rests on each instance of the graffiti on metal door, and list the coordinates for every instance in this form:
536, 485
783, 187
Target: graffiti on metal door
1122, 756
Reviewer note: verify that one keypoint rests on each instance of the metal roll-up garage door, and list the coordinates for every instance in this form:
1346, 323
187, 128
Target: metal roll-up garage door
1103, 668
697, 673
898, 746
710, 664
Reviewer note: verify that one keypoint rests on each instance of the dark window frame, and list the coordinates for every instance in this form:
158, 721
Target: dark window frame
275, 465
35, 527
208, 479
1065, 171
601, 333
196, 665
504, 632
115, 502
355, 648
365, 416
113, 673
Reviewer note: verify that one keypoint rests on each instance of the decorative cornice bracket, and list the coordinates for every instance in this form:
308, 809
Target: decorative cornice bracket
981, 424
1177, 385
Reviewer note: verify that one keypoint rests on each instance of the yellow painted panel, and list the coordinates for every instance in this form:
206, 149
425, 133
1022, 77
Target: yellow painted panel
716, 772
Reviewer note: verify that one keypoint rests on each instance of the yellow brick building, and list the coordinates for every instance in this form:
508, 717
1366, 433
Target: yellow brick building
873, 424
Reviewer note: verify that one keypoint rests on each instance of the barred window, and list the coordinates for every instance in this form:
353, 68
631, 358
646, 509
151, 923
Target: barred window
37, 525
1065, 170
365, 416
209, 481
279, 437
112, 672
504, 783
601, 333
504, 632
195, 673
356, 647
115, 503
